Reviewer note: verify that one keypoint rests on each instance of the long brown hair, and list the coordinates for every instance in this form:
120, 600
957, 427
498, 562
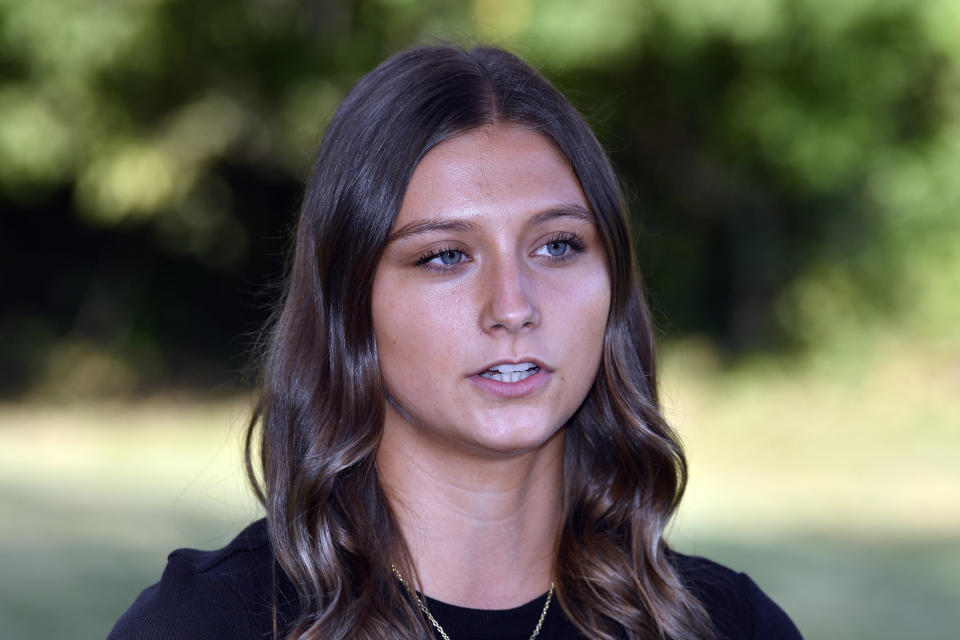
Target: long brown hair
321, 407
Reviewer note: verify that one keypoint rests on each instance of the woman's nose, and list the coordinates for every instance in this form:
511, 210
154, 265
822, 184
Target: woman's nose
509, 303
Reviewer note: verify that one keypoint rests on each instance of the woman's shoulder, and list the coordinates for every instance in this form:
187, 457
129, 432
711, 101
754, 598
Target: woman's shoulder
226, 593
738, 607
231, 592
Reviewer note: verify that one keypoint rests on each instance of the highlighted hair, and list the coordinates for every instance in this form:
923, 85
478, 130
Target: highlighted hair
320, 414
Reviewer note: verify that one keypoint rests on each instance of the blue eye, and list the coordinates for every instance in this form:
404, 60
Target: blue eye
557, 247
441, 260
449, 257
561, 247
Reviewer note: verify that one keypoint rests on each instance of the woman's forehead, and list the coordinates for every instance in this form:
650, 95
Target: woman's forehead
495, 168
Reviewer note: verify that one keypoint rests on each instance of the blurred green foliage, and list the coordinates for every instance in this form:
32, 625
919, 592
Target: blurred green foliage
790, 163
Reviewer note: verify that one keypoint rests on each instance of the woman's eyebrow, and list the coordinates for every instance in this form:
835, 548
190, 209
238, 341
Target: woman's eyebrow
427, 226
563, 211
418, 227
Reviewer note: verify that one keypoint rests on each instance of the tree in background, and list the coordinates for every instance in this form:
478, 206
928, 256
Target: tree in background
790, 164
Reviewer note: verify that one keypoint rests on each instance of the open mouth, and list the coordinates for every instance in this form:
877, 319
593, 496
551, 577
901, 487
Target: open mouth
511, 372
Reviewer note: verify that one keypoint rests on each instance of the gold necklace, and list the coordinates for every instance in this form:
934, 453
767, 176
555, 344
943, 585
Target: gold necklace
436, 625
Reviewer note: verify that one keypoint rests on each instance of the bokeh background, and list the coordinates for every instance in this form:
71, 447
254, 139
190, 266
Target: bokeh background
792, 170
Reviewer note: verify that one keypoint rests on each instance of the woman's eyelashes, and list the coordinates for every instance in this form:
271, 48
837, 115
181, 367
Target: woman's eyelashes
561, 247
442, 259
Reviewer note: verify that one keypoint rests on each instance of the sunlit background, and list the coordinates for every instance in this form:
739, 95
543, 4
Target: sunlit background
792, 168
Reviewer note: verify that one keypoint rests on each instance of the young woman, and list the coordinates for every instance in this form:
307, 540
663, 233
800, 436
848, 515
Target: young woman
459, 433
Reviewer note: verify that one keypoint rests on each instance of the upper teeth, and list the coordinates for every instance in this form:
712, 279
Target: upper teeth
511, 372
512, 368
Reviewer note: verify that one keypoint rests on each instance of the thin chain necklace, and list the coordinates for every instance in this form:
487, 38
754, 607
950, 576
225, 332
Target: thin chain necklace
436, 625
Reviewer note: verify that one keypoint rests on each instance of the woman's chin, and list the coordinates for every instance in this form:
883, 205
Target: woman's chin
512, 439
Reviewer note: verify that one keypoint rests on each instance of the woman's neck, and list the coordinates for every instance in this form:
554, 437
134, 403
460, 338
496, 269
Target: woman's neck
482, 531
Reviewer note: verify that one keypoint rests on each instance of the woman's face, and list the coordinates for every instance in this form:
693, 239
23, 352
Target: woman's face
490, 302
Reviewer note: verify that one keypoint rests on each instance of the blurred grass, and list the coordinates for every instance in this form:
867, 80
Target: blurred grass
834, 484
93, 495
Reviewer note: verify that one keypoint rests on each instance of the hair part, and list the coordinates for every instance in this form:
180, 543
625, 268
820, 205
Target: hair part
321, 408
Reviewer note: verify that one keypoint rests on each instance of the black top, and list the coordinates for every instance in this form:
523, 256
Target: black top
229, 594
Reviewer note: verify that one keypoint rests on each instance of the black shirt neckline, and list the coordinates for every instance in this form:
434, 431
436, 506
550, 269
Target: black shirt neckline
462, 623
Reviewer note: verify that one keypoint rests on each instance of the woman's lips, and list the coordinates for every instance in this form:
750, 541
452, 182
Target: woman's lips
512, 389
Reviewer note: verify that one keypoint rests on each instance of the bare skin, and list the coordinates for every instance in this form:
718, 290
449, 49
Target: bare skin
489, 306
482, 535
